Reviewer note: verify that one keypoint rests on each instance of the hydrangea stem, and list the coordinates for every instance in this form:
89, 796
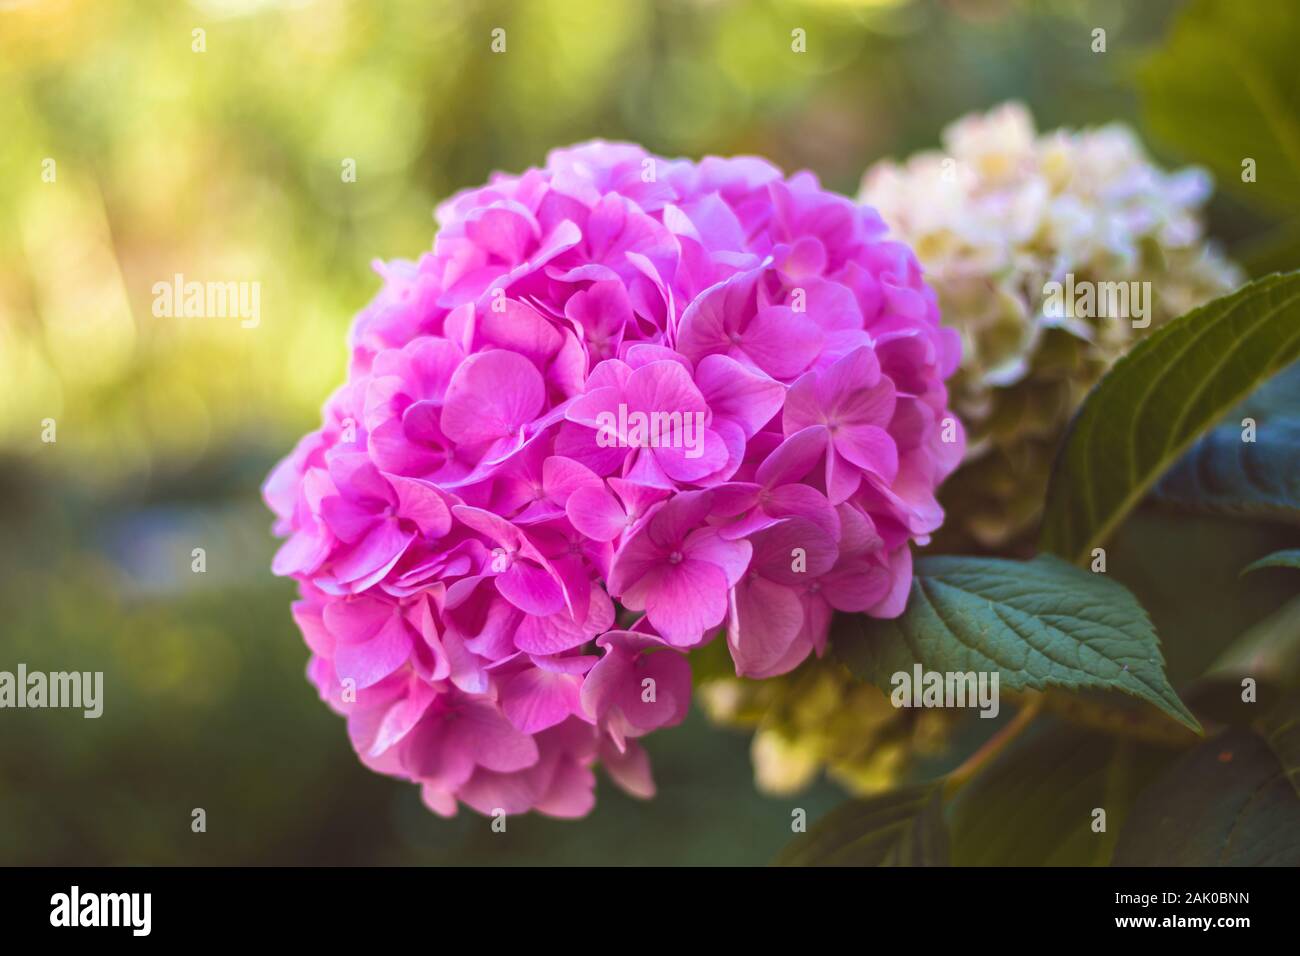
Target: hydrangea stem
993, 746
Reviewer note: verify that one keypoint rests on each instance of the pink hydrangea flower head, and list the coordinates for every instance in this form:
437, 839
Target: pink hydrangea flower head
624, 405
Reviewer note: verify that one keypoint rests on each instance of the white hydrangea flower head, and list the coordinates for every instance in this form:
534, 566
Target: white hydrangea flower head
995, 217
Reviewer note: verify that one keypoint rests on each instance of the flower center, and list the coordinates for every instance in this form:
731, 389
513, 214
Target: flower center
675, 558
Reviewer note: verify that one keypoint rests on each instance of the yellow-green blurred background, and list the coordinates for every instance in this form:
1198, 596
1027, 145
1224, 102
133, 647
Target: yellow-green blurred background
226, 165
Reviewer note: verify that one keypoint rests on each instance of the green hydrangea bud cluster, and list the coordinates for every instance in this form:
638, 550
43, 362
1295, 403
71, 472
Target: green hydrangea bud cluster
820, 717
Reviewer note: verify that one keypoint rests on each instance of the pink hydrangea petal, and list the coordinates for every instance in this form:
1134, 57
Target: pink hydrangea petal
709, 321
393, 450
441, 802
795, 457
738, 394
483, 731
347, 520
705, 454
571, 792
602, 309
374, 555
856, 584
833, 306
465, 669
629, 768
853, 375
434, 757
638, 500
491, 396
804, 501
561, 477
358, 619
399, 719
870, 448
304, 552
312, 625
802, 407
531, 589
782, 342
663, 386
423, 504
642, 467
370, 661
493, 793
596, 513
358, 480
793, 552
535, 699
505, 230
590, 409
766, 618
895, 600
679, 516
602, 687
730, 557
663, 703
684, 601
519, 328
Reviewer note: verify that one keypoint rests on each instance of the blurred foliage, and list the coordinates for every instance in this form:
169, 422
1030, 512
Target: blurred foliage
1236, 62
1238, 67
226, 165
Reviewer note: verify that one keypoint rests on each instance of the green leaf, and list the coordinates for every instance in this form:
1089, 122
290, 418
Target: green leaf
1156, 553
1039, 624
1289, 558
1156, 400
1275, 400
1226, 803
1223, 87
1223, 474
1032, 806
1269, 650
1281, 730
901, 828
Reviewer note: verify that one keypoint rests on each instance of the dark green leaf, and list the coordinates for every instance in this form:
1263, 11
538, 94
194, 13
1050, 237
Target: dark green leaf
901, 828
1039, 624
1033, 806
1157, 400
1281, 729
1290, 558
1222, 473
1226, 803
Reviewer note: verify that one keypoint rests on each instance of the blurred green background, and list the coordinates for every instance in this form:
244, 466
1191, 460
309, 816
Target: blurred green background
225, 165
